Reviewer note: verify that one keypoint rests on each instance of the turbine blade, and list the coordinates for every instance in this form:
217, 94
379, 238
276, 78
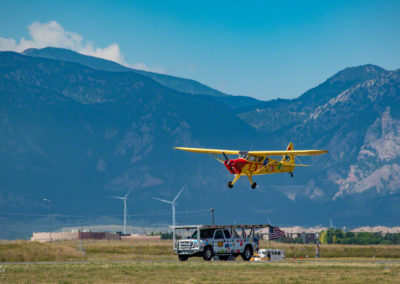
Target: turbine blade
117, 197
129, 192
179, 193
163, 200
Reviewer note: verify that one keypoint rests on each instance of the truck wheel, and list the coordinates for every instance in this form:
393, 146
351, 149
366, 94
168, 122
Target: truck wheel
183, 257
208, 253
247, 253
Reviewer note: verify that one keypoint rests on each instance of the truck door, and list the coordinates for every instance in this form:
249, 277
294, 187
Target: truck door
237, 242
218, 242
228, 242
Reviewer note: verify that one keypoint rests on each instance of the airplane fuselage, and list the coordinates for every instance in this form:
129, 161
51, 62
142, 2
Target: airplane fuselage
242, 166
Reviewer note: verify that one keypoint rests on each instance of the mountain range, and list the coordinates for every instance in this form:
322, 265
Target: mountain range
77, 129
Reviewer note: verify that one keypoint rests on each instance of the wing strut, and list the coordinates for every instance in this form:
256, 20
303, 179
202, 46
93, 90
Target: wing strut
216, 157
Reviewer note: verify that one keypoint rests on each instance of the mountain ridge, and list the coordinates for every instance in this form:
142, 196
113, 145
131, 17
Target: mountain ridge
180, 84
76, 135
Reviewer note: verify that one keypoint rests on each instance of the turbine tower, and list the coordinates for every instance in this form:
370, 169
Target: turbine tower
173, 203
124, 198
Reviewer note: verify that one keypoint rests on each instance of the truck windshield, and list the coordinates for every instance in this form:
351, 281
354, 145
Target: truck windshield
204, 234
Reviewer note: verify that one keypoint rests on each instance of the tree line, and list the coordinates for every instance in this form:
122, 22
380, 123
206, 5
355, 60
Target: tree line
338, 236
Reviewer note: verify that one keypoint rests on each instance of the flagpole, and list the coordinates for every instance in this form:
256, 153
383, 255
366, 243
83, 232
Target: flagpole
269, 237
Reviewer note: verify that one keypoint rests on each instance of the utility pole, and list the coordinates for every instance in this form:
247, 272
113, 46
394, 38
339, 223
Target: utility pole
48, 200
212, 214
51, 240
81, 232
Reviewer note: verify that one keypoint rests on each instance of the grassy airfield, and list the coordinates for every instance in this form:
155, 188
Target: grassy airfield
339, 263
196, 272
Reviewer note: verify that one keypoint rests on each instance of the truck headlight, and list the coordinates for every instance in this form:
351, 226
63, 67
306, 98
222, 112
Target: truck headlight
194, 245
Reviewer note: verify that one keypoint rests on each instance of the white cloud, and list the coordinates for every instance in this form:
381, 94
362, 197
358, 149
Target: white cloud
54, 35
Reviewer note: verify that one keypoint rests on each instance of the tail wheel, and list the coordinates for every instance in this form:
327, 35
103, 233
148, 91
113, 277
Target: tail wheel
208, 253
247, 253
253, 185
230, 184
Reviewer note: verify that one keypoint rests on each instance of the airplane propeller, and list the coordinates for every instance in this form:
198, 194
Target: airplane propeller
227, 161
226, 156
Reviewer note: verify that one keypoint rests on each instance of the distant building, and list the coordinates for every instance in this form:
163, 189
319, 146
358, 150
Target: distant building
139, 237
307, 234
377, 229
67, 236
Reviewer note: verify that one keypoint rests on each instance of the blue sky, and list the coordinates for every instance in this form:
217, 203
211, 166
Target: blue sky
264, 49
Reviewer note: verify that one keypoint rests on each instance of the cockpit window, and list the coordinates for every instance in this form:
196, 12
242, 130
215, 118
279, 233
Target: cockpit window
252, 158
244, 155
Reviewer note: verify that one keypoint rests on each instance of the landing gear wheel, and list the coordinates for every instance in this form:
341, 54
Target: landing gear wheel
291, 174
230, 184
208, 253
247, 253
253, 185
183, 257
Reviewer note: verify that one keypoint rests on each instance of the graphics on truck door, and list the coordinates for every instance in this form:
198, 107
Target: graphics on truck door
222, 243
237, 243
228, 242
219, 242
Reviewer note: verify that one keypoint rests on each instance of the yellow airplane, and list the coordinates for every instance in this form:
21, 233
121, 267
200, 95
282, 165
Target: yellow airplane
256, 162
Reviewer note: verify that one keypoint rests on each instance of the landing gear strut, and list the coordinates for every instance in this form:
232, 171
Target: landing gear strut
253, 184
231, 183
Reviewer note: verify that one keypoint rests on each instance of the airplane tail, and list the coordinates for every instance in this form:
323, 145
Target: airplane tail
289, 159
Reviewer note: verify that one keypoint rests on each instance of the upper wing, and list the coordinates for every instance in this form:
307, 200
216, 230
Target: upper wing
255, 153
282, 153
209, 151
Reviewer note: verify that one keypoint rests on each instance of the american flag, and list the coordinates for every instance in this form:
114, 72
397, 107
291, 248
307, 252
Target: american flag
275, 233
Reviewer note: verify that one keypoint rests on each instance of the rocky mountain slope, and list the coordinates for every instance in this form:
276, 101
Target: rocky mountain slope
77, 134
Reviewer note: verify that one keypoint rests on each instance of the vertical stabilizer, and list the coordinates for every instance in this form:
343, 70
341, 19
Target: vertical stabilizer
289, 159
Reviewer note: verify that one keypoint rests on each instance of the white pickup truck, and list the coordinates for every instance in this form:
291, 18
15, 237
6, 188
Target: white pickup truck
208, 241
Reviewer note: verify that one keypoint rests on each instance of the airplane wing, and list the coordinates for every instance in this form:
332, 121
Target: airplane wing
209, 151
294, 152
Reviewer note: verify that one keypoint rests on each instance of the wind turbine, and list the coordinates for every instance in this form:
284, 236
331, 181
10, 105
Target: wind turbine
124, 198
173, 203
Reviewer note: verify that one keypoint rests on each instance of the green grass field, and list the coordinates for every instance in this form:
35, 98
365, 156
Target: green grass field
25, 251
154, 262
201, 272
